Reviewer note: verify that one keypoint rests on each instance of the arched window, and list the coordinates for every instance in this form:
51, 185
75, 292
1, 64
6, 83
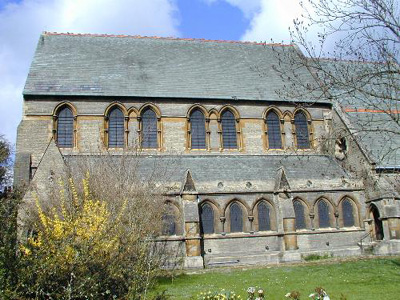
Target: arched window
273, 131
207, 218
300, 215
197, 130
236, 218
302, 135
149, 129
65, 128
264, 217
169, 226
323, 214
229, 136
348, 213
116, 128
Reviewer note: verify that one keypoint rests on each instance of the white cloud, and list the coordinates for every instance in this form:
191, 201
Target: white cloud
21, 24
273, 21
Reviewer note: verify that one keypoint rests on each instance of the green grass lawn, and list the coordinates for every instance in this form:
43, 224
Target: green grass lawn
376, 279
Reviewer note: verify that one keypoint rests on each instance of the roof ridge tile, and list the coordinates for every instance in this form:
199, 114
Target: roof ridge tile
165, 38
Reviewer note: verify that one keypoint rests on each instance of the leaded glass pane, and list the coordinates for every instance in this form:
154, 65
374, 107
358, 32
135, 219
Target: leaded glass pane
348, 213
236, 218
207, 219
300, 122
198, 130
149, 129
274, 131
300, 216
323, 215
116, 128
169, 224
229, 137
264, 218
65, 128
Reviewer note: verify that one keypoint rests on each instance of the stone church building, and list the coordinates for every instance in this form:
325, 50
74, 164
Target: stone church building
256, 177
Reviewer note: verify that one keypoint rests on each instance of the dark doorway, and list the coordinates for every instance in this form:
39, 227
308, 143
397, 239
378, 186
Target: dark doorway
378, 228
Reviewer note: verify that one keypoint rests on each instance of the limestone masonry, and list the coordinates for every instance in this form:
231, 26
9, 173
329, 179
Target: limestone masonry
251, 177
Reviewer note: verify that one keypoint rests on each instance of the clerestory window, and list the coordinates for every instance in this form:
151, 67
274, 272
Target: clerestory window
149, 129
197, 130
229, 135
273, 131
116, 129
302, 134
65, 128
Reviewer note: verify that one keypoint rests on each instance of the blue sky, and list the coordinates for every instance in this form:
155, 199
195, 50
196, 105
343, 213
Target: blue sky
22, 21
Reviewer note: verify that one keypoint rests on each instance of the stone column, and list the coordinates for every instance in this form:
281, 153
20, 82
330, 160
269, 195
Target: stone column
290, 237
191, 217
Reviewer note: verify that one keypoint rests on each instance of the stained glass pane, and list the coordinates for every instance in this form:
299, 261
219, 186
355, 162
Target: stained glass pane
229, 137
116, 128
300, 216
347, 211
149, 129
236, 218
300, 122
274, 131
198, 130
323, 214
264, 218
65, 128
207, 219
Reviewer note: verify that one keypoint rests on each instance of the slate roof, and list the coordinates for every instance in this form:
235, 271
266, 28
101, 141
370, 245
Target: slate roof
371, 105
107, 65
234, 172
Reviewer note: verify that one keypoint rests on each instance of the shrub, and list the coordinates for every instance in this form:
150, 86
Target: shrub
86, 248
8, 236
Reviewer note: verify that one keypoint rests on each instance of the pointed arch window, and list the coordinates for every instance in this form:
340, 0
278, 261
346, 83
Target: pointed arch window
207, 219
116, 129
65, 128
302, 134
264, 216
348, 213
169, 225
323, 214
229, 135
149, 129
236, 218
273, 131
169, 220
197, 130
300, 215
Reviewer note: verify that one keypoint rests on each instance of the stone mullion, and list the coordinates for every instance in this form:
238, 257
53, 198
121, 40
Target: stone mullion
208, 134
159, 132
126, 131
139, 131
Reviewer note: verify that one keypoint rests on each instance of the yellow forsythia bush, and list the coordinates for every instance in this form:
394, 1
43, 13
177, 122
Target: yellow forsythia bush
83, 250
